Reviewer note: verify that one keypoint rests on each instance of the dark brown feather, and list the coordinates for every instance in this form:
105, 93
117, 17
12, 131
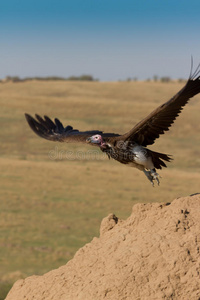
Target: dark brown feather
144, 133
158, 158
49, 130
149, 129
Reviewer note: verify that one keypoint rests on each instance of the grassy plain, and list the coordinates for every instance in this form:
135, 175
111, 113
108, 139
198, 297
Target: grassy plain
53, 196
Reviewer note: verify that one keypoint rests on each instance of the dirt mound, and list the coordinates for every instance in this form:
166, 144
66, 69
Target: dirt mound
154, 254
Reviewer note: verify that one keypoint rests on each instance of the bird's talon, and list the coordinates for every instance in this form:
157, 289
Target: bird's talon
156, 177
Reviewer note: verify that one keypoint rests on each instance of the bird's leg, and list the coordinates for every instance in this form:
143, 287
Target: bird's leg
152, 175
149, 176
155, 175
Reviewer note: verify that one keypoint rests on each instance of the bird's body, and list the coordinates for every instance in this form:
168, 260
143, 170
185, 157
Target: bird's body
129, 148
137, 156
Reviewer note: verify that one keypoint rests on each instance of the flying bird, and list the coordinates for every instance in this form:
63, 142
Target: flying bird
129, 148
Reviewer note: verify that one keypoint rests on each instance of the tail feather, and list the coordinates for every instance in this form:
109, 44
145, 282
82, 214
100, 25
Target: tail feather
158, 158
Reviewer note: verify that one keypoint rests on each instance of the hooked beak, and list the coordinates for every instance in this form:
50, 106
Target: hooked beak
88, 140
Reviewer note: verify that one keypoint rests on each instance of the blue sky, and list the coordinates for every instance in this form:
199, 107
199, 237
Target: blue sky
108, 39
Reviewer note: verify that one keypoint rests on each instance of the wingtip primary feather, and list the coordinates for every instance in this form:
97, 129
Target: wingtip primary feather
29, 119
27, 116
196, 74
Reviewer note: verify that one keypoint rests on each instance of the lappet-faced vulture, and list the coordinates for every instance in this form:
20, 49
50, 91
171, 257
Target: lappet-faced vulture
129, 148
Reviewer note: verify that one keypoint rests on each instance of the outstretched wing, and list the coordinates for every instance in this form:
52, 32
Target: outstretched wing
159, 121
55, 131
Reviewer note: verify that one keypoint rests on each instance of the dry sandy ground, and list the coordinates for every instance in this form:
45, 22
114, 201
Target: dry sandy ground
154, 254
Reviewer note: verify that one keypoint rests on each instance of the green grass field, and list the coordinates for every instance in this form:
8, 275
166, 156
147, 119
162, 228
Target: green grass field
53, 196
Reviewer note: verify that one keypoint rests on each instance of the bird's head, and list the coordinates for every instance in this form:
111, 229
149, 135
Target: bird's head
96, 140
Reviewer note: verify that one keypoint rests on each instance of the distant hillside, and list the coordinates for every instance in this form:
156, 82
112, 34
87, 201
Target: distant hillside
73, 78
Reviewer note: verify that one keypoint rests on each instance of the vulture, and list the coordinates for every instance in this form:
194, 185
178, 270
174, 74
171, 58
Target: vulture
128, 148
